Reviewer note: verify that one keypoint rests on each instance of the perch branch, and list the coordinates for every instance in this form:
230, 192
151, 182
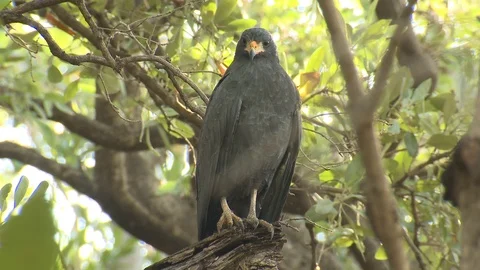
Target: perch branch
229, 250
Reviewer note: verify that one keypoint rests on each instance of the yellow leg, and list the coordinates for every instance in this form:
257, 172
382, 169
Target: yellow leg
252, 215
228, 218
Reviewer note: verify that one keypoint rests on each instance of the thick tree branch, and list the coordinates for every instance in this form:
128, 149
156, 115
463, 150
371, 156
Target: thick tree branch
35, 5
462, 186
74, 177
381, 205
105, 135
122, 138
229, 250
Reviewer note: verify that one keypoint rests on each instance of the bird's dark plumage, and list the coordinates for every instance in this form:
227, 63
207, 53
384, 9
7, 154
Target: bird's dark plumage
250, 138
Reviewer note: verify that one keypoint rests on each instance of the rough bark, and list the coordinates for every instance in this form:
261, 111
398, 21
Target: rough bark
462, 187
232, 249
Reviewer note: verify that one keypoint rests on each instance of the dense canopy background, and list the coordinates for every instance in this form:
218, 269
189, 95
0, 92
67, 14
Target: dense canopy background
109, 118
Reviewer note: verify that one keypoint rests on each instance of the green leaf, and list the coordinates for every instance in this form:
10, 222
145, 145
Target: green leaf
30, 234
224, 9
240, 24
326, 176
71, 90
316, 60
380, 254
4, 3
323, 209
175, 41
343, 241
442, 142
394, 129
20, 191
411, 144
89, 71
208, 13
355, 170
4, 191
182, 128
54, 75
376, 31
449, 108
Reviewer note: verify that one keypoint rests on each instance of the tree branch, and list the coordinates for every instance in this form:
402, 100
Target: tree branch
74, 177
462, 186
381, 204
35, 5
229, 250
108, 136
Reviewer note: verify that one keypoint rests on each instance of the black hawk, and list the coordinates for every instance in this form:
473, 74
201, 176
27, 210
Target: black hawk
249, 141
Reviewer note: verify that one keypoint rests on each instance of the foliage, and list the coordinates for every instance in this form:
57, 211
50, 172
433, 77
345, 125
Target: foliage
200, 37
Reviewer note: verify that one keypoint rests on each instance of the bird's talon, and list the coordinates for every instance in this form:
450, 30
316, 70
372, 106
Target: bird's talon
269, 227
228, 220
253, 221
237, 222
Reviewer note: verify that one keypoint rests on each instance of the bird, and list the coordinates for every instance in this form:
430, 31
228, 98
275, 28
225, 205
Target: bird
249, 141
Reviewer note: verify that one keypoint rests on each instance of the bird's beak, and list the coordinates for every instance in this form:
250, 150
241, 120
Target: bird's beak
254, 48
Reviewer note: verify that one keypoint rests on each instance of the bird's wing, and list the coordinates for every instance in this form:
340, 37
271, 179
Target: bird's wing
276, 196
220, 120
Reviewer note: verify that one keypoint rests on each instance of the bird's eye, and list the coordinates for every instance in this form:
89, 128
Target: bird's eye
266, 43
244, 41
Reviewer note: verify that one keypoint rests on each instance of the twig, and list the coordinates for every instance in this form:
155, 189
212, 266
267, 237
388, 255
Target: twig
183, 96
10, 17
177, 72
418, 169
96, 32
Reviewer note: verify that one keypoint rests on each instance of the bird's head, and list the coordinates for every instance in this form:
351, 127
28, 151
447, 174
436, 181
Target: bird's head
254, 43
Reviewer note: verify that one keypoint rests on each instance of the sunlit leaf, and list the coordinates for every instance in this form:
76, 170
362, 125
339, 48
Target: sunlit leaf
240, 25
315, 60
326, 176
224, 9
380, 254
30, 234
20, 191
208, 12
308, 83
4, 191
343, 241
71, 90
